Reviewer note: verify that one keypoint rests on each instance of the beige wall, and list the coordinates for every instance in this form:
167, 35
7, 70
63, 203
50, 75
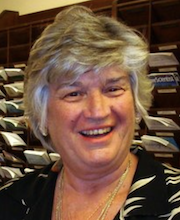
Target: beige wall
30, 6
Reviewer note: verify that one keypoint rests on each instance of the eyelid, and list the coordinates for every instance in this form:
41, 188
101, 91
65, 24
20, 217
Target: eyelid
68, 96
114, 90
75, 91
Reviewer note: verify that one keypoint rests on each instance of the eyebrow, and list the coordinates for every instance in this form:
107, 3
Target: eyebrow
107, 81
116, 79
75, 84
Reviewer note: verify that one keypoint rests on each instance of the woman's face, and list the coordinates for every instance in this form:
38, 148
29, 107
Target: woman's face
91, 122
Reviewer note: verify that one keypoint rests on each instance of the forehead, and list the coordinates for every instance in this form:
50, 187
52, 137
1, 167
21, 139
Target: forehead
107, 72
104, 75
100, 77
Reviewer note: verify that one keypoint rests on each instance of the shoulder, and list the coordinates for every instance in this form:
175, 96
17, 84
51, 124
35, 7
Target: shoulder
30, 185
172, 180
21, 197
148, 166
147, 159
158, 184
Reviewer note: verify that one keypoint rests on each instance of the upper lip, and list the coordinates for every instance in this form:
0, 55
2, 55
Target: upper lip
96, 131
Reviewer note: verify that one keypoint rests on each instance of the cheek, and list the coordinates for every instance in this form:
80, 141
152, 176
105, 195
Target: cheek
68, 114
62, 117
126, 121
125, 109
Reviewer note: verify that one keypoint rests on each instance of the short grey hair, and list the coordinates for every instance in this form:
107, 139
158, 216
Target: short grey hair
77, 41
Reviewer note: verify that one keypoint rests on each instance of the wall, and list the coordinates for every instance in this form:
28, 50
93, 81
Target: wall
31, 6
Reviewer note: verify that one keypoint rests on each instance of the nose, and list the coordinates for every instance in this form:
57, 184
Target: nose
97, 106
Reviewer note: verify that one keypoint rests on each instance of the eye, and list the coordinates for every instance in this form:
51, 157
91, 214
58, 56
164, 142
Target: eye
114, 91
73, 96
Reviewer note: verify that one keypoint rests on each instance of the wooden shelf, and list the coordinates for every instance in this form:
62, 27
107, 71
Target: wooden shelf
166, 97
19, 54
129, 14
172, 113
165, 10
3, 39
157, 20
3, 56
166, 32
19, 36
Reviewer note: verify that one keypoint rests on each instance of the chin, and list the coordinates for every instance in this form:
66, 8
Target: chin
102, 157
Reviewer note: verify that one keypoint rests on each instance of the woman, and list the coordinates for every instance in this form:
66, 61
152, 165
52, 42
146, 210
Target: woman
86, 83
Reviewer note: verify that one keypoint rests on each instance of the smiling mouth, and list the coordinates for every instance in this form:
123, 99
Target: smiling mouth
96, 132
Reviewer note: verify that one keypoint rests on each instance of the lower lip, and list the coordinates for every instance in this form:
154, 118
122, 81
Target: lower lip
98, 139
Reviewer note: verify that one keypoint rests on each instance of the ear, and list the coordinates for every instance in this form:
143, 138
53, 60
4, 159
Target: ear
43, 130
138, 117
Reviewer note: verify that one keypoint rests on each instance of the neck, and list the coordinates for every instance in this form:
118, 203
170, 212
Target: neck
90, 182
110, 194
73, 199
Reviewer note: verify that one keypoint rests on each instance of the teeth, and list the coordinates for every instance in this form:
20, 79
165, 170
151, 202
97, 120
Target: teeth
96, 132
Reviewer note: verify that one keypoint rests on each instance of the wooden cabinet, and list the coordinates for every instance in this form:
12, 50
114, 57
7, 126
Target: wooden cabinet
165, 38
16, 42
157, 20
17, 39
3, 46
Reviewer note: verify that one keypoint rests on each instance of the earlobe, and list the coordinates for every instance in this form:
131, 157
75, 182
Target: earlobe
138, 118
43, 130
